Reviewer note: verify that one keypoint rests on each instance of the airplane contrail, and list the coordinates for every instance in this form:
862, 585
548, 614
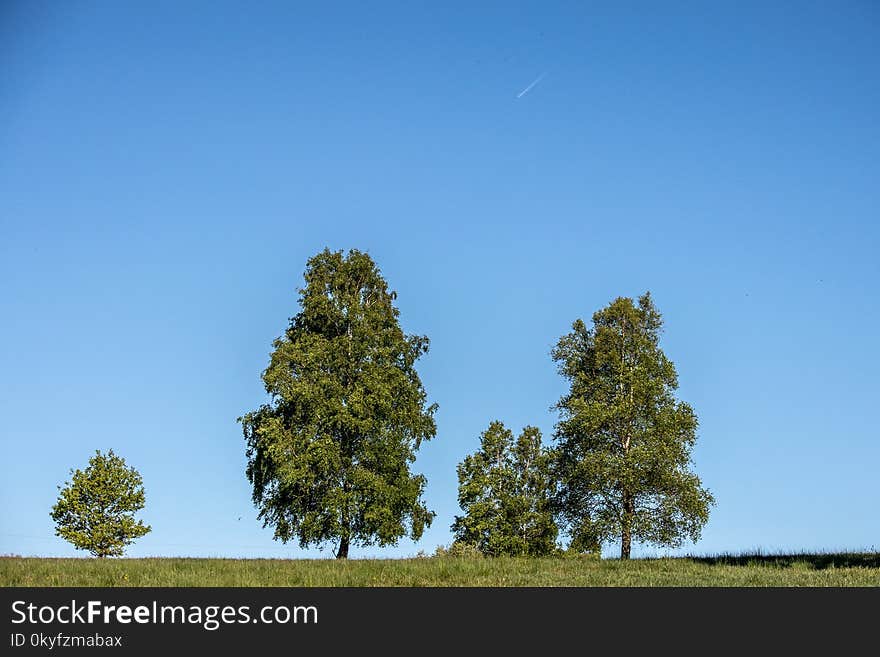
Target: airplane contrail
529, 88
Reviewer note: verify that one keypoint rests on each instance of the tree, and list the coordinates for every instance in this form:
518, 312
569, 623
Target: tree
505, 491
329, 456
95, 509
623, 441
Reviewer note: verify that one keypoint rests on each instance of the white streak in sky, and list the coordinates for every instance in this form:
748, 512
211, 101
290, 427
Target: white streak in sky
529, 88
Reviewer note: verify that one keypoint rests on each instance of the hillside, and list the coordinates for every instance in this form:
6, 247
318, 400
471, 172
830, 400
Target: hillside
845, 569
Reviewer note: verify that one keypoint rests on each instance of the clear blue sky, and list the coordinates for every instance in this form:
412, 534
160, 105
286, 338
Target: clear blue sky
167, 168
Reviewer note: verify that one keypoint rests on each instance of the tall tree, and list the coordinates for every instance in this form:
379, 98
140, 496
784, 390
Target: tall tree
623, 441
504, 489
329, 456
95, 509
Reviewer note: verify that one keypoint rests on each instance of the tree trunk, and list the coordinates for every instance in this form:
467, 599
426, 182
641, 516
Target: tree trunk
626, 529
626, 520
342, 553
345, 523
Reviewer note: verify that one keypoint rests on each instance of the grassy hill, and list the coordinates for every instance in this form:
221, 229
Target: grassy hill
843, 569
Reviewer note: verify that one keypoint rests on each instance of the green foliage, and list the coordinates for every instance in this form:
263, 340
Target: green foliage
95, 510
329, 456
623, 441
505, 491
458, 550
580, 552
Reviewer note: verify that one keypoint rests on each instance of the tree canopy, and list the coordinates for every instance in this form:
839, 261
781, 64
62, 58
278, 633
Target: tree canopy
504, 489
329, 455
95, 509
623, 442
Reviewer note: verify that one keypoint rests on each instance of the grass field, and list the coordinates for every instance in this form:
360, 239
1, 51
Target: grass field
846, 569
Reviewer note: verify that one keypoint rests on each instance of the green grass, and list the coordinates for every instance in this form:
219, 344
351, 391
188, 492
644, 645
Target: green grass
844, 569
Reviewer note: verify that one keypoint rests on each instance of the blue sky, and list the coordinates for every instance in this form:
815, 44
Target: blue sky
166, 169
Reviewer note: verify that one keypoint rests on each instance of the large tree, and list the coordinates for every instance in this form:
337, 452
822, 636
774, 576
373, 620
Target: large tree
624, 442
95, 509
504, 489
329, 456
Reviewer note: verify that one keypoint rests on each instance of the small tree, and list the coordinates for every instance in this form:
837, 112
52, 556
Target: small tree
505, 491
623, 441
329, 456
95, 510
